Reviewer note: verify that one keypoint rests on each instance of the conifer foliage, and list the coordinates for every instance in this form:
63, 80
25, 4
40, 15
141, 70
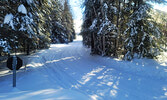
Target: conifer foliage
121, 28
33, 24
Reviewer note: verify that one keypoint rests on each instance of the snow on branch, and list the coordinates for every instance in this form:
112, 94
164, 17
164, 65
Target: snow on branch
141, 13
29, 1
114, 9
106, 25
4, 45
22, 9
93, 24
9, 20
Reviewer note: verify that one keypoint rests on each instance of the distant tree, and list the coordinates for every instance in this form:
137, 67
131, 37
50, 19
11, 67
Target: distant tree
62, 23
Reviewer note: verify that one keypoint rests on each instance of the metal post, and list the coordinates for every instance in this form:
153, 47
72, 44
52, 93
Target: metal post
14, 63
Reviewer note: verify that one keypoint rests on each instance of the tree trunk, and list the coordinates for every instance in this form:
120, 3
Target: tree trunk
103, 38
24, 46
117, 38
28, 49
92, 43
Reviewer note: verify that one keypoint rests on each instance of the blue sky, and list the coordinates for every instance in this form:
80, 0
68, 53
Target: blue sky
77, 14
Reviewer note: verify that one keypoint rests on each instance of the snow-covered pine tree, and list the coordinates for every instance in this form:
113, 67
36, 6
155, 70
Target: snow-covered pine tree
160, 18
134, 26
67, 22
107, 30
101, 33
88, 33
24, 26
141, 33
36, 25
62, 22
20, 25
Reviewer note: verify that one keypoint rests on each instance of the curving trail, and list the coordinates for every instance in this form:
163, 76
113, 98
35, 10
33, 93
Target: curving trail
67, 71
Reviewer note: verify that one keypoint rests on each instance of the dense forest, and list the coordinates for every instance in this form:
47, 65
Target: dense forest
28, 25
117, 28
124, 28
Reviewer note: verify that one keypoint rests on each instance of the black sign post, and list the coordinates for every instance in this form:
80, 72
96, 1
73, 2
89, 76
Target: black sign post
14, 63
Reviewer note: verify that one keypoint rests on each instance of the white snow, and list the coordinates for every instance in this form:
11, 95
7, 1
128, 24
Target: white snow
22, 28
114, 9
29, 2
93, 24
68, 71
108, 25
105, 6
22, 9
9, 20
2, 43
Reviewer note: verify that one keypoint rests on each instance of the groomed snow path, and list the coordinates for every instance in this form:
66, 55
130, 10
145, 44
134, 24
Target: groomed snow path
67, 71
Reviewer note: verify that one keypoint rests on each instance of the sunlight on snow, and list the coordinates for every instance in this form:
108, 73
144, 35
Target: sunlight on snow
47, 94
60, 45
165, 93
35, 93
113, 92
88, 76
35, 65
66, 58
163, 64
110, 83
100, 77
94, 97
4, 73
162, 59
165, 89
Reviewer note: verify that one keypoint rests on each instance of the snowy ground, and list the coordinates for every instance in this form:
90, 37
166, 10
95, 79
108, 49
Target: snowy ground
67, 71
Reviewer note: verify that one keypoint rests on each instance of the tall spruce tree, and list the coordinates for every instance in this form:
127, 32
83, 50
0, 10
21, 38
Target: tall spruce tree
142, 35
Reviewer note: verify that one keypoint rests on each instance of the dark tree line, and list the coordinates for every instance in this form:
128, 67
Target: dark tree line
121, 28
28, 25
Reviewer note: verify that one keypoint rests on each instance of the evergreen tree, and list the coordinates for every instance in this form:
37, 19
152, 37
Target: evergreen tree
63, 28
122, 27
31, 24
141, 33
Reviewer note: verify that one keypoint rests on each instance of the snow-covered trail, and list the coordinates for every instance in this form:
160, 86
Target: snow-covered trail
67, 71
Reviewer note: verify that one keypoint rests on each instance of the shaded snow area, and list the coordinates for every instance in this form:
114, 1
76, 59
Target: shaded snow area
67, 71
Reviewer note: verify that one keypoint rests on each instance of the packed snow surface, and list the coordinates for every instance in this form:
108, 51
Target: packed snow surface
22, 9
67, 71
